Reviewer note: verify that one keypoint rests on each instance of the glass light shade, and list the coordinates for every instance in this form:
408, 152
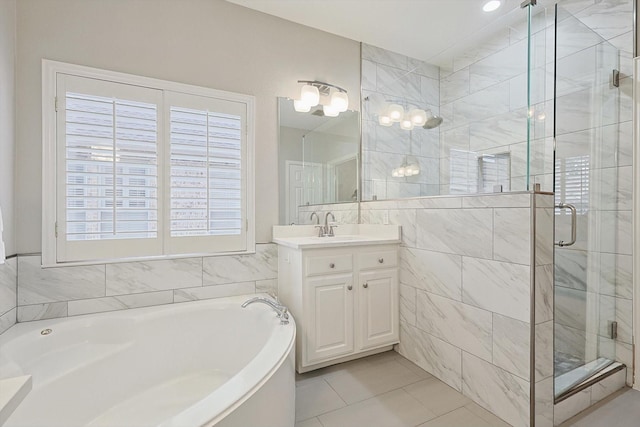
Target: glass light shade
301, 106
329, 111
418, 116
395, 112
406, 123
394, 173
490, 6
384, 120
340, 101
402, 171
310, 95
412, 169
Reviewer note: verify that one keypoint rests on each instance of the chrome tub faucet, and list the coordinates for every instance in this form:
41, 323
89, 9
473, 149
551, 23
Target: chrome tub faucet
281, 310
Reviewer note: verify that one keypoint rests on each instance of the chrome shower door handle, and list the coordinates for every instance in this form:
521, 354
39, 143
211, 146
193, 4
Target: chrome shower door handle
572, 208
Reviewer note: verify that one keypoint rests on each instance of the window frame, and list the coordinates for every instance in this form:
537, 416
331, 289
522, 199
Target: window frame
50, 71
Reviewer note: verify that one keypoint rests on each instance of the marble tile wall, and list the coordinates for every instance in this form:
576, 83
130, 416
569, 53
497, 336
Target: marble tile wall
388, 76
483, 100
8, 289
465, 296
543, 311
594, 277
68, 291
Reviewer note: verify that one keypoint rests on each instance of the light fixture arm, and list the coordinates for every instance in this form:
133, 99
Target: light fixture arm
323, 88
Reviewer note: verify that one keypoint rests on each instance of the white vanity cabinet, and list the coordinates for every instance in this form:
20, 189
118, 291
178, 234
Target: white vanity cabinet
344, 300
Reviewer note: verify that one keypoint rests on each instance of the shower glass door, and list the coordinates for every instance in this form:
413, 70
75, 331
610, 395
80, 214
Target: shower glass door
587, 128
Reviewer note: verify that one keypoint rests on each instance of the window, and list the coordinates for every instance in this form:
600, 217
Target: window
138, 167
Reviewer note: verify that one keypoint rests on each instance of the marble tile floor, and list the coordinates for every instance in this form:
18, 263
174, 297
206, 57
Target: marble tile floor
621, 409
384, 390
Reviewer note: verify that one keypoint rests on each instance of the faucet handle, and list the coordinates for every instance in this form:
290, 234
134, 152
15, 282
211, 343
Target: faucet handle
332, 225
284, 316
320, 230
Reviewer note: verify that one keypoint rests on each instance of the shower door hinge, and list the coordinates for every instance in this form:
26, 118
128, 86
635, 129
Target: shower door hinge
55, 103
614, 330
616, 78
56, 229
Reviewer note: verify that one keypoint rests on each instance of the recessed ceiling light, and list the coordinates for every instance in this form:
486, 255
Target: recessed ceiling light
492, 5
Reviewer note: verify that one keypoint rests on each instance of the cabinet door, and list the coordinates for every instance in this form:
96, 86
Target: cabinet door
379, 310
329, 308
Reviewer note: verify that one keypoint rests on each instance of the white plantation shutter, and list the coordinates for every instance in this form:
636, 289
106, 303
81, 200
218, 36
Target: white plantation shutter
207, 156
107, 169
138, 167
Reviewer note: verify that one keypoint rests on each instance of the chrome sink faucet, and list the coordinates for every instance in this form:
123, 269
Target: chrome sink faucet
317, 217
328, 229
281, 310
318, 226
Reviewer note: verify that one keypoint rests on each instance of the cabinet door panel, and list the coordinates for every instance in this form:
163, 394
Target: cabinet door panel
330, 317
379, 311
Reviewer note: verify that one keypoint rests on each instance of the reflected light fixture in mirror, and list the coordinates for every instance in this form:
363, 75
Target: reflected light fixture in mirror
395, 113
409, 167
313, 91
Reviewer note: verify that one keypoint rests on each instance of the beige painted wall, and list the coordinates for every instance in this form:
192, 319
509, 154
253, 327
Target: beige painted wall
210, 43
7, 121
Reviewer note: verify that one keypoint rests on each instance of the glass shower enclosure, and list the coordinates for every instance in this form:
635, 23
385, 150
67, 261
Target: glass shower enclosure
540, 100
592, 187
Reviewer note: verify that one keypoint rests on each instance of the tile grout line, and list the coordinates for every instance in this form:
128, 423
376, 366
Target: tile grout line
376, 395
337, 394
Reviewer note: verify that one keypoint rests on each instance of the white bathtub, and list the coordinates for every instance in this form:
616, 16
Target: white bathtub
190, 364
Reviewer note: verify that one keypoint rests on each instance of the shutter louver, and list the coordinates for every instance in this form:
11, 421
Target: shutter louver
111, 168
206, 173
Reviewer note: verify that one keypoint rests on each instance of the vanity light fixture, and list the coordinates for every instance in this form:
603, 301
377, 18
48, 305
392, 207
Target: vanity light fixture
329, 111
300, 106
313, 90
492, 5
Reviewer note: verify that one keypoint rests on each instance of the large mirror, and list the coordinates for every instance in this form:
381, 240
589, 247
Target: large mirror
318, 160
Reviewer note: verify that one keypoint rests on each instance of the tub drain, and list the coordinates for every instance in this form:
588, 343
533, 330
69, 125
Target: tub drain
46, 331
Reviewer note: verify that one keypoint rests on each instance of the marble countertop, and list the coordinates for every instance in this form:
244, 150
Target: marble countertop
303, 236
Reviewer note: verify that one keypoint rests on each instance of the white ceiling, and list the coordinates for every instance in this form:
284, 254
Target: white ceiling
420, 29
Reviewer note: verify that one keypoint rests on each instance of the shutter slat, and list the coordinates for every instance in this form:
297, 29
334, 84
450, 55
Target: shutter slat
102, 133
205, 173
